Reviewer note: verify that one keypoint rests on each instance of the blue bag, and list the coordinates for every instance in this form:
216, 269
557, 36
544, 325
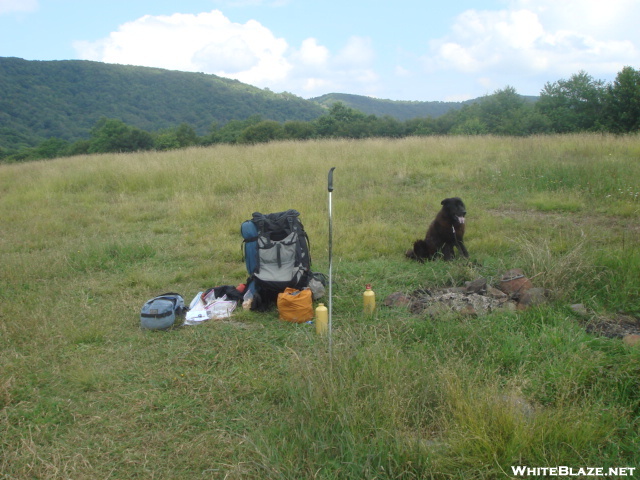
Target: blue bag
162, 312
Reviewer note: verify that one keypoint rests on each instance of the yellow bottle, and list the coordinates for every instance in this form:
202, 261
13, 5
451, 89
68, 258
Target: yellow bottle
369, 300
322, 319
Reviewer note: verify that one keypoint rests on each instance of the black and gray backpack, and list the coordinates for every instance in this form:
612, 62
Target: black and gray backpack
162, 312
276, 250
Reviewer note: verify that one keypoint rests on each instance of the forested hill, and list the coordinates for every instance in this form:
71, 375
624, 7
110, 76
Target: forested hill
66, 98
400, 110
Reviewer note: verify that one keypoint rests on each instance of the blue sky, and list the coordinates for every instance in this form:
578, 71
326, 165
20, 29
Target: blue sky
400, 50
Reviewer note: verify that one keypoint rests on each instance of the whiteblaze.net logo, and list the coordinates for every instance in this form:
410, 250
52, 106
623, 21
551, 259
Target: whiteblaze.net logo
523, 471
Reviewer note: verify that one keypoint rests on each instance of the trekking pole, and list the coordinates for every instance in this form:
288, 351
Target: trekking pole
330, 257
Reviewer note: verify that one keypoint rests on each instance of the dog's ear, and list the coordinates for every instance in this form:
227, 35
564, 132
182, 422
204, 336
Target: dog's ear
442, 202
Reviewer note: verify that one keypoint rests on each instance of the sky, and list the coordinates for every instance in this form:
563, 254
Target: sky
417, 50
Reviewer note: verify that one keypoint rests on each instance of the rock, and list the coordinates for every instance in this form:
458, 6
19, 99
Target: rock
631, 340
397, 299
496, 294
468, 311
455, 290
532, 297
515, 292
512, 273
580, 310
514, 282
478, 286
509, 306
436, 310
419, 301
474, 299
518, 405
417, 307
422, 292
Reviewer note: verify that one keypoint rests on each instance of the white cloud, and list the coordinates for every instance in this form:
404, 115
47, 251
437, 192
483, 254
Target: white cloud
10, 6
539, 37
357, 52
317, 84
601, 19
207, 42
312, 54
250, 52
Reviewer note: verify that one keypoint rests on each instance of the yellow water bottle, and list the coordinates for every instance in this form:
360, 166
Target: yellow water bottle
322, 319
369, 300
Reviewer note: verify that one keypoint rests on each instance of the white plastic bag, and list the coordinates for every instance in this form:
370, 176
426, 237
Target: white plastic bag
208, 308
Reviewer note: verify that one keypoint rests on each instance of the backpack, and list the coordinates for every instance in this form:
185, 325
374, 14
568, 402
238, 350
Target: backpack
161, 312
276, 252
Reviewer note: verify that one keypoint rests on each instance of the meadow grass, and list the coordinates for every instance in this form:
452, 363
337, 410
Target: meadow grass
85, 394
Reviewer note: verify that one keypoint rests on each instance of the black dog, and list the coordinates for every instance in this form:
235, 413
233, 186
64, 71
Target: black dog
445, 232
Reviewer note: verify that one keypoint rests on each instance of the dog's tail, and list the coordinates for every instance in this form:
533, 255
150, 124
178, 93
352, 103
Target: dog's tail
419, 252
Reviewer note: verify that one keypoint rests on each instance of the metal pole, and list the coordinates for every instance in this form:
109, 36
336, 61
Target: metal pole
330, 188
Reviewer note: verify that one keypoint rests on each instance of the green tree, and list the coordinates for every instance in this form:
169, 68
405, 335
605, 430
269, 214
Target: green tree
231, 131
471, 126
81, 147
166, 141
445, 123
261, 132
341, 113
342, 121
421, 126
622, 102
387, 126
22, 155
508, 113
573, 105
52, 148
298, 130
503, 112
180, 137
111, 135
186, 135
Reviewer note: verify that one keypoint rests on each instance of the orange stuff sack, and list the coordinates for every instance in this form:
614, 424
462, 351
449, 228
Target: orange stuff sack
295, 305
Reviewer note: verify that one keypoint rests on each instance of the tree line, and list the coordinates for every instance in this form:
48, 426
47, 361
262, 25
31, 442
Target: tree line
578, 104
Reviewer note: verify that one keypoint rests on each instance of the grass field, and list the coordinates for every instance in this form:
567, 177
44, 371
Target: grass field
86, 394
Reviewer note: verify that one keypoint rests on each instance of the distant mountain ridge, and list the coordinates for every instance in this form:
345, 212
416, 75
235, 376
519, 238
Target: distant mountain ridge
398, 109
66, 98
